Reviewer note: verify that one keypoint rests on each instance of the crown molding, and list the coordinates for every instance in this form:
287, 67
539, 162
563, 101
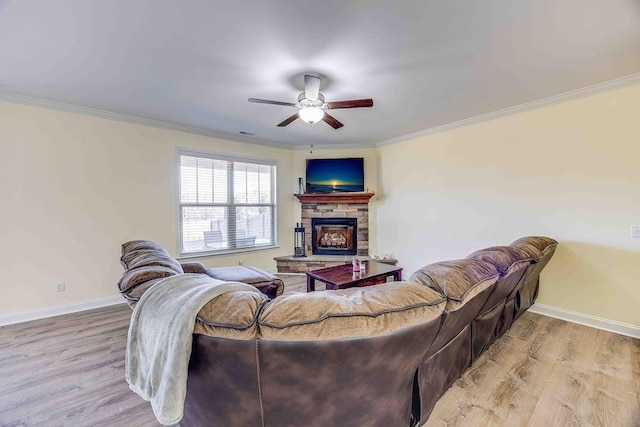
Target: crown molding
111, 115
544, 102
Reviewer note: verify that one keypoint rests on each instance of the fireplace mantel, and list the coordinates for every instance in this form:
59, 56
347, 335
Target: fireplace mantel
360, 197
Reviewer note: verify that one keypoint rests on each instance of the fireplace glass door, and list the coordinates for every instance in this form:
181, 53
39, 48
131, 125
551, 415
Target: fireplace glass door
334, 236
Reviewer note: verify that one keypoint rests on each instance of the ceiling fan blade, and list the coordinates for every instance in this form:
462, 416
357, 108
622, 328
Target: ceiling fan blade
289, 120
331, 121
266, 101
311, 87
354, 103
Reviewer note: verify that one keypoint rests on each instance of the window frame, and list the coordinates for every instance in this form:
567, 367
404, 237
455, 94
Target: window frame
231, 206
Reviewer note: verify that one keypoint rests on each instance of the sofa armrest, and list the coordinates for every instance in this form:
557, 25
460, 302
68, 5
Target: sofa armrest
193, 267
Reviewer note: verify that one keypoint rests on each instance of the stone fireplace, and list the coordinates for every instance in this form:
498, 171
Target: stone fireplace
335, 213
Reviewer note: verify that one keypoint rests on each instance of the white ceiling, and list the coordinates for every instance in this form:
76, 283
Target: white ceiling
424, 63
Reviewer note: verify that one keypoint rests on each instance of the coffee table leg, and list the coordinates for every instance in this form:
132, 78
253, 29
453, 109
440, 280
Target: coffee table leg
397, 276
311, 284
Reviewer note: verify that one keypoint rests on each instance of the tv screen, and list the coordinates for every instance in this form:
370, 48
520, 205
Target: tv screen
335, 175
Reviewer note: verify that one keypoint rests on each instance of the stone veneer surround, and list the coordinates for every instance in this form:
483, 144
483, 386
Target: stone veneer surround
335, 205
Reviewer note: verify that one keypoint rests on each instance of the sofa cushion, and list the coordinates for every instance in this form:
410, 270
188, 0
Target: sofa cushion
456, 279
136, 245
535, 246
136, 276
240, 273
246, 274
502, 257
349, 313
231, 315
149, 257
459, 280
193, 267
133, 295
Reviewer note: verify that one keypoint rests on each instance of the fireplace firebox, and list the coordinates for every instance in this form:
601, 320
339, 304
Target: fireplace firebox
334, 236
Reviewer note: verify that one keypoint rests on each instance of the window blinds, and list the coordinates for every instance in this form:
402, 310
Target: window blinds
226, 203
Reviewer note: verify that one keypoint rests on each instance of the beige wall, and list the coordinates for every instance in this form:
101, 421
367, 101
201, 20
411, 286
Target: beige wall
370, 179
569, 171
74, 188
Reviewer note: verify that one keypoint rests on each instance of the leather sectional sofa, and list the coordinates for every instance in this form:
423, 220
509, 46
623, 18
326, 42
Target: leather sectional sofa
377, 356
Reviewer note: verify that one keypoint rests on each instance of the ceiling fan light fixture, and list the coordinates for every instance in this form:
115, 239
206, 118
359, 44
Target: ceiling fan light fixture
311, 105
311, 115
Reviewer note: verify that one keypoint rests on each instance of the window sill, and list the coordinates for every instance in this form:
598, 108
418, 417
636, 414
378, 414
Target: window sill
226, 252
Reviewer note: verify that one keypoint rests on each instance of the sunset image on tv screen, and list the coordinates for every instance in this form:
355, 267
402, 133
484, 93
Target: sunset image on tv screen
335, 175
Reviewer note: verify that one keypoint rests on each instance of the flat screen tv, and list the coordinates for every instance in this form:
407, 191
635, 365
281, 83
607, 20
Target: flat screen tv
335, 175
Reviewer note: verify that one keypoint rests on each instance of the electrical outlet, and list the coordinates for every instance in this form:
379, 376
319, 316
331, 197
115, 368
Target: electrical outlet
635, 231
60, 287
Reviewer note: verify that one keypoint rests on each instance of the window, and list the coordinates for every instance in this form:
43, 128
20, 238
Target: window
226, 204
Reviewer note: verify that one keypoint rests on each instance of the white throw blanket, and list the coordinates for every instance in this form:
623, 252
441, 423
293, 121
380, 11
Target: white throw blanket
160, 338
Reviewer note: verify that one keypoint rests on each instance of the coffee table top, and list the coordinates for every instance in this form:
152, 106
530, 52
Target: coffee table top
344, 274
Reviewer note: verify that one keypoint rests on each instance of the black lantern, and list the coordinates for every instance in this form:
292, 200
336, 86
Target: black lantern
298, 241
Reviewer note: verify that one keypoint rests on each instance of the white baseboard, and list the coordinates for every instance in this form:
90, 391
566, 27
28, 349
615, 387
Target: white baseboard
41, 313
588, 320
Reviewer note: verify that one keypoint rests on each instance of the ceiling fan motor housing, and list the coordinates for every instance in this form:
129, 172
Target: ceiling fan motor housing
303, 102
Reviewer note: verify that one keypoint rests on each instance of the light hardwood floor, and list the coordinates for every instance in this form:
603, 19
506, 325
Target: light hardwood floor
69, 371
548, 372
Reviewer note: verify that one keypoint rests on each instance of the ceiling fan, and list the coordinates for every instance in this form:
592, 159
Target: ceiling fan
312, 106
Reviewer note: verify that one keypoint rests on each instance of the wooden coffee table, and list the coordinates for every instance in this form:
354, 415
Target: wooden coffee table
343, 276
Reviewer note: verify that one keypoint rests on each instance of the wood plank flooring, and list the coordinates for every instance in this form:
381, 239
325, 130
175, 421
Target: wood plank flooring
548, 372
69, 371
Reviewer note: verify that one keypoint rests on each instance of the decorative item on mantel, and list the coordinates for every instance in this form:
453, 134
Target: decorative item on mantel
300, 186
298, 239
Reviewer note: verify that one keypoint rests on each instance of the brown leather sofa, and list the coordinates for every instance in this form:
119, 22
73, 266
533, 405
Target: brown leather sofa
376, 356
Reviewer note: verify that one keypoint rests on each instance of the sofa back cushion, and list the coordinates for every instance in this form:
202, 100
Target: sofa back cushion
231, 315
133, 295
145, 263
503, 257
459, 280
149, 257
136, 245
139, 275
349, 313
535, 246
